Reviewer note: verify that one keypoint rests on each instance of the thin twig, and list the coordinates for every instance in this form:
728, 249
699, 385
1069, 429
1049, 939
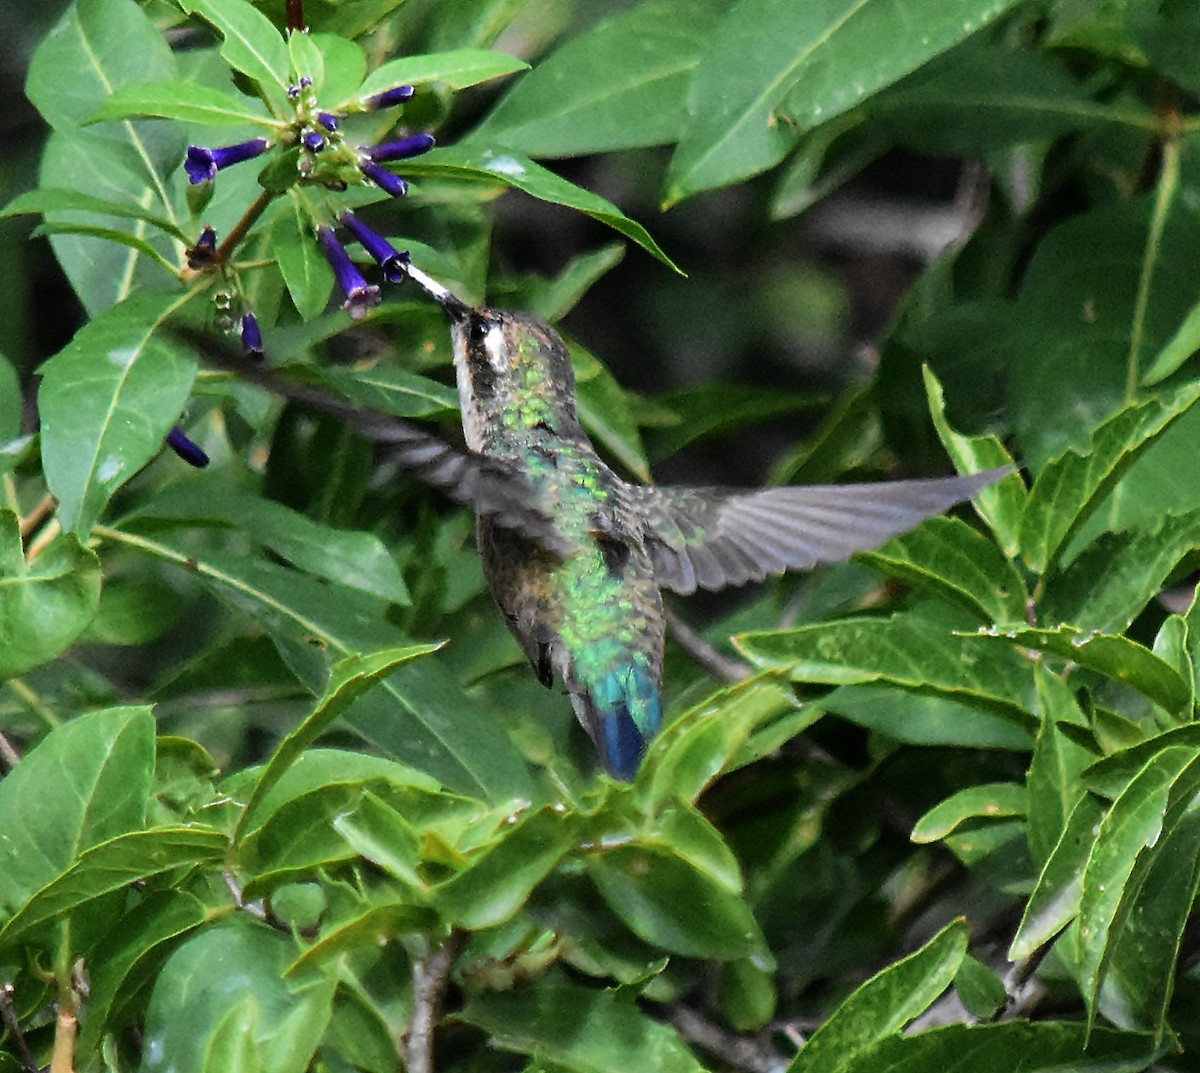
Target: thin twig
741, 1052
8, 1015
50, 532
9, 757
430, 976
31, 522
295, 16
720, 666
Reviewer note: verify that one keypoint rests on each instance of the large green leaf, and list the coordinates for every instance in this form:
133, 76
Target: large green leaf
949, 558
901, 651
497, 883
1073, 485
581, 1030
417, 714
128, 858
45, 604
107, 401
214, 973
348, 681
1128, 841
883, 1005
1113, 655
458, 69
251, 44
775, 69
623, 83
104, 45
480, 163
86, 782
1041, 1047
669, 902
184, 102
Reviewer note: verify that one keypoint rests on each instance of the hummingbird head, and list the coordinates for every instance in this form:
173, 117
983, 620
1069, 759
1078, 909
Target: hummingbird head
512, 368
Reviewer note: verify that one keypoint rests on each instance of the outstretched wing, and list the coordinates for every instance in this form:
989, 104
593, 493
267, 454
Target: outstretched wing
490, 487
708, 538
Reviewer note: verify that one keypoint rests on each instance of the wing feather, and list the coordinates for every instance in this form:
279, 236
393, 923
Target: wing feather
708, 538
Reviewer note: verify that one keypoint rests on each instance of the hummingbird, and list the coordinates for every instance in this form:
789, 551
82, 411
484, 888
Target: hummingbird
575, 556
593, 616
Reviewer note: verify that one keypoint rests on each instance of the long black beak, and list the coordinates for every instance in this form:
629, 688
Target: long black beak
455, 307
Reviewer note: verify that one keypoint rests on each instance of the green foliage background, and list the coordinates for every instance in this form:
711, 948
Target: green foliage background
278, 793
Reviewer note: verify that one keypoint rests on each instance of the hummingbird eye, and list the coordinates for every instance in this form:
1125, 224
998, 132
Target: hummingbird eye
480, 326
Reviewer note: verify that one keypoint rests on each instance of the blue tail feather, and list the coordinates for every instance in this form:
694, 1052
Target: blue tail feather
626, 713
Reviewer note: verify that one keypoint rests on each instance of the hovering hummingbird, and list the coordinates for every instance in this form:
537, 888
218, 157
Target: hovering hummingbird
593, 616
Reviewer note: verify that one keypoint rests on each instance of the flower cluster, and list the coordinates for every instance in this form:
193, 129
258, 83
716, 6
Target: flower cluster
326, 159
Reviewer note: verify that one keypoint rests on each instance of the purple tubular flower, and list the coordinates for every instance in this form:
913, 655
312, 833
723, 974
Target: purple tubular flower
391, 260
204, 253
384, 179
360, 295
191, 453
389, 98
203, 164
328, 120
413, 145
252, 341
313, 141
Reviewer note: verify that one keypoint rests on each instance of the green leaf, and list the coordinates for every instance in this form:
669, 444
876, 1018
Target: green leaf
952, 560
1054, 781
1075, 483
1110, 583
713, 736
350, 557
111, 865
232, 1047
54, 200
87, 56
1002, 504
190, 102
985, 97
669, 902
581, 1030
378, 832
105, 44
1041, 1047
44, 604
883, 1005
419, 714
1117, 866
307, 274
1176, 350
107, 401
129, 956
457, 69
498, 882
714, 409
111, 235
214, 973
348, 681
251, 43
479, 163
775, 69
392, 391
1143, 957
901, 651
1055, 899
986, 801
1110, 775
621, 84
86, 782
1114, 656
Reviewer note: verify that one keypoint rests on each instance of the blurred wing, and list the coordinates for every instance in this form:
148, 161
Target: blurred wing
708, 538
490, 487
